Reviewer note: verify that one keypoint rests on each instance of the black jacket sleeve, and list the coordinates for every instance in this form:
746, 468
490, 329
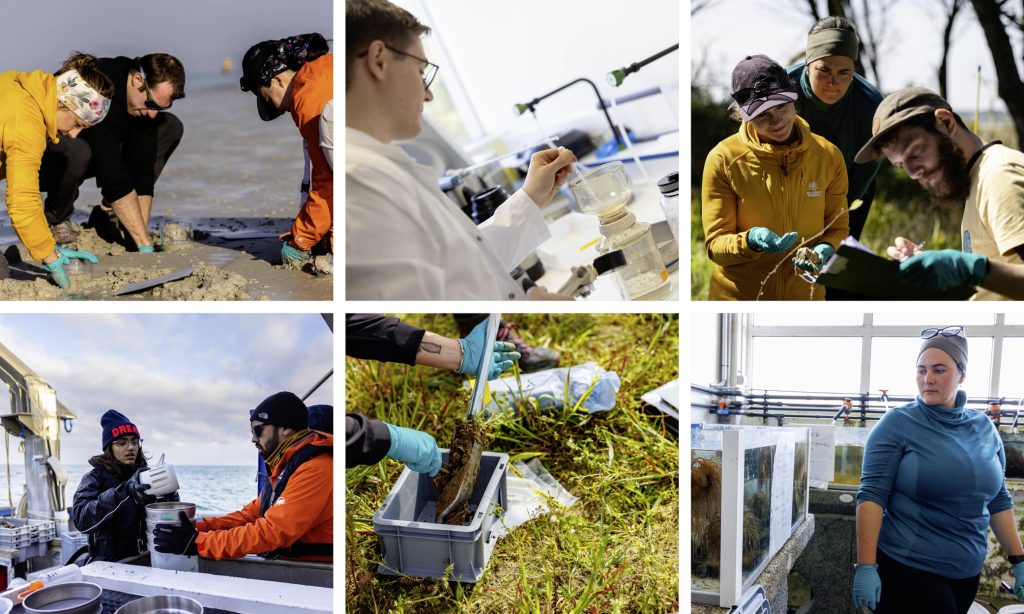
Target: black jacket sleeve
94, 502
382, 338
367, 441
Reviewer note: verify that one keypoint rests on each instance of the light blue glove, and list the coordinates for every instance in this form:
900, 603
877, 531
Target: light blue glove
291, 254
416, 449
944, 269
1018, 580
502, 357
146, 249
764, 240
867, 587
56, 268
824, 251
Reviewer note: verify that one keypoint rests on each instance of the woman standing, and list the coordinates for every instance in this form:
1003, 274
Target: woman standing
110, 501
36, 106
839, 104
765, 188
936, 470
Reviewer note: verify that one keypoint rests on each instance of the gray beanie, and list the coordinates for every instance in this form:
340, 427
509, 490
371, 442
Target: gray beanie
955, 346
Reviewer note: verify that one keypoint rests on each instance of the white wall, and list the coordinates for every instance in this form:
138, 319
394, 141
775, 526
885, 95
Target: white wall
508, 52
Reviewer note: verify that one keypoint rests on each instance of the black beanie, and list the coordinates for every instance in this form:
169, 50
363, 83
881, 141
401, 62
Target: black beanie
116, 425
282, 409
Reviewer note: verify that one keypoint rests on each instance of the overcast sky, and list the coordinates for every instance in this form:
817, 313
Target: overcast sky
187, 381
198, 32
728, 30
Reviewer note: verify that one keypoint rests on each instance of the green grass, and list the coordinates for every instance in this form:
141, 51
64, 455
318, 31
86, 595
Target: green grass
615, 550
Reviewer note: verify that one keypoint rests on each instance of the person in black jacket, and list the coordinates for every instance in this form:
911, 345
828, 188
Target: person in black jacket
126, 153
110, 503
388, 339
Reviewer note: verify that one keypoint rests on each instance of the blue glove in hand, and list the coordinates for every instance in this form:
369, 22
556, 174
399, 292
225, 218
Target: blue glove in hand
146, 249
764, 240
944, 269
56, 268
416, 449
291, 254
502, 357
1018, 580
867, 587
824, 251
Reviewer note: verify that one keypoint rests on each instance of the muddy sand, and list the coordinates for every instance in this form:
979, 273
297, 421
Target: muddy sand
459, 475
235, 179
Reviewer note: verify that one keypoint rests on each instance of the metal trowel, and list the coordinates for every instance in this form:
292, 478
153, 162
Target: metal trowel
457, 489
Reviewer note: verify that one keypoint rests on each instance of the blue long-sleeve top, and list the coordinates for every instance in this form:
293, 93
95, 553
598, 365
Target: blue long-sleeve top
846, 124
939, 475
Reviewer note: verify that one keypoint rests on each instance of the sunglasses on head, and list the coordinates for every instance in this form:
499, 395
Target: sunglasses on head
763, 87
948, 331
150, 103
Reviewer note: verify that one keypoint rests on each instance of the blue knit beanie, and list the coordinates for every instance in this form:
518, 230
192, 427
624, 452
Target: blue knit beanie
116, 425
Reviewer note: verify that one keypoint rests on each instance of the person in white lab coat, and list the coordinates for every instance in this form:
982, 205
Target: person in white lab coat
404, 239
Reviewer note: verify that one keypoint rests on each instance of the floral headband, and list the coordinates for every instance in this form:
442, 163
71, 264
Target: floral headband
80, 97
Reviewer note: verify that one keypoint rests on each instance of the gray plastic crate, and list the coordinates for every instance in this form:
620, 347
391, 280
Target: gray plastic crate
415, 545
70, 542
27, 533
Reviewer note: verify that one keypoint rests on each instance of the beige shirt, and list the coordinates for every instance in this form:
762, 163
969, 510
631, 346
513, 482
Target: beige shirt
993, 222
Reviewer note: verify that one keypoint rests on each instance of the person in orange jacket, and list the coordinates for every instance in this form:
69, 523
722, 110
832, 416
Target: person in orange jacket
296, 74
293, 516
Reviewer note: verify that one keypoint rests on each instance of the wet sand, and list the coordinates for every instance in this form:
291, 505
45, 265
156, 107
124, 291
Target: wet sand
232, 173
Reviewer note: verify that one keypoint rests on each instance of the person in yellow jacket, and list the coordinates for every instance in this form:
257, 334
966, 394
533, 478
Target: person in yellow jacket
36, 106
296, 74
768, 188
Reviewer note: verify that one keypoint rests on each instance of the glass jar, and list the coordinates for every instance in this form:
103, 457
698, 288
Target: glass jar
602, 191
669, 188
643, 277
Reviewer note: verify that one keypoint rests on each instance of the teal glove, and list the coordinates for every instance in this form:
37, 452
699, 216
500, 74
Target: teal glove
867, 587
824, 251
764, 240
416, 449
146, 249
502, 357
944, 269
56, 268
1018, 580
291, 254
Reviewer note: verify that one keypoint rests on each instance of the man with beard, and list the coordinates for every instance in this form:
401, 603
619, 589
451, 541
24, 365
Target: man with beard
292, 518
916, 129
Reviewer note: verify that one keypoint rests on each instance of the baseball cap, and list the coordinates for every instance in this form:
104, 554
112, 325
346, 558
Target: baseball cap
897, 108
758, 84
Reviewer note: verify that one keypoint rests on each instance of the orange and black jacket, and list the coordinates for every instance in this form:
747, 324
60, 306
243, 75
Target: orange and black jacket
297, 526
312, 88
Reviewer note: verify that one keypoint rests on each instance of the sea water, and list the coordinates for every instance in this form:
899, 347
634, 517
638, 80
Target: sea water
215, 489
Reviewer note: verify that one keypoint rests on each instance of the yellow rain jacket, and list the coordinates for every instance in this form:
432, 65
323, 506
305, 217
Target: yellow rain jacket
28, 116
748, 183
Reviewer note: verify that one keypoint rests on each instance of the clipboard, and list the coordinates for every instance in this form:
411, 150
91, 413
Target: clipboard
855, 268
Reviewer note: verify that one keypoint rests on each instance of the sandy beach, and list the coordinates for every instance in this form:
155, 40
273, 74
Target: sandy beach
232, 176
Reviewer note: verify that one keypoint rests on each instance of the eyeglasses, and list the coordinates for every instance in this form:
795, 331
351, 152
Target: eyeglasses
127, 443
948, 331
257, 431
150, 103
427, 74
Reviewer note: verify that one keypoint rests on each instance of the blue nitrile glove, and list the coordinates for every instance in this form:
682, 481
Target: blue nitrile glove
944, 269
56, 268
824, 251
867, 587
502, 357
416, 449
1018, 580
146, 249
764, 240
291, 254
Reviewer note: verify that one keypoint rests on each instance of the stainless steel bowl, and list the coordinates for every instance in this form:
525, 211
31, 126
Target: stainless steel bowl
67, 598
161, 604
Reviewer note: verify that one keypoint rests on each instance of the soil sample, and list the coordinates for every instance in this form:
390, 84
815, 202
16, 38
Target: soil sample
456, 479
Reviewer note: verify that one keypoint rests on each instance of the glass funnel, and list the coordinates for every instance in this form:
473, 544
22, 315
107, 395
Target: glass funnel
602, 191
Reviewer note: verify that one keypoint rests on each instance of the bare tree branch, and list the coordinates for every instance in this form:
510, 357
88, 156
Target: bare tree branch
951, 10
1011, 88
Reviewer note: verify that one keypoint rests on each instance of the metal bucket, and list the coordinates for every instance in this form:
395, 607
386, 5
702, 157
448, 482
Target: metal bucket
167, 513
161, 604
67, 598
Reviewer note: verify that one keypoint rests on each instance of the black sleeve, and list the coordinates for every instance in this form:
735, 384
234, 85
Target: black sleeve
139, 153
106, 137
367, 441
382, 338
94, 503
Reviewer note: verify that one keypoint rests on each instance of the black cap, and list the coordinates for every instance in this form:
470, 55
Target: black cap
253, 64
609, 262
669, 183
758, 84
282, 409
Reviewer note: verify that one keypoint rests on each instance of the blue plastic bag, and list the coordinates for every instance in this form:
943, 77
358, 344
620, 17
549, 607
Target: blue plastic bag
548, 388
